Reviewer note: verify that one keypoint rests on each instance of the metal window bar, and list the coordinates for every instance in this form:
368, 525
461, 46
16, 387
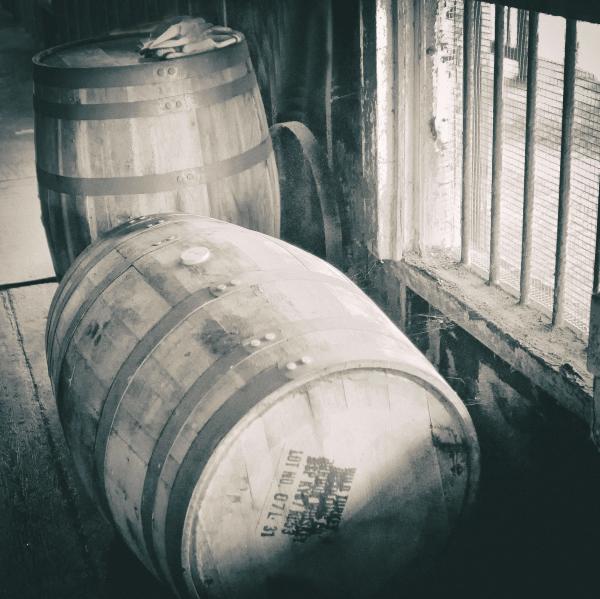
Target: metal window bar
529, 183
477, 130
593, 353
497, 143
596, 285
467, 163
564, 193
478, 142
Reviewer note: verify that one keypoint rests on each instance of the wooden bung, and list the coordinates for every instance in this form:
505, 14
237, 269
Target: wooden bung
251, 421
118, 136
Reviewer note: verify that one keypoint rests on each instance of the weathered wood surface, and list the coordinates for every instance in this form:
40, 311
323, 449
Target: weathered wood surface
118, 136
54, 542
185, 389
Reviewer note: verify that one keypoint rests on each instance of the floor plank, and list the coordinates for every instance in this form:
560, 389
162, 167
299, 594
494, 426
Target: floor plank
37, 495
23, 246
54, 542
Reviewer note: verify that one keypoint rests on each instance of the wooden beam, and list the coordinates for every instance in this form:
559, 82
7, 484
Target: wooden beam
583, 10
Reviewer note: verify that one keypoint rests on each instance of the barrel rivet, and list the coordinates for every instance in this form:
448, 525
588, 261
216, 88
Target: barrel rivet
160, 72
234, 282
291, 366
269, 336
306, 360
172, 70
168, 105
194, 255
221, 287
255, 343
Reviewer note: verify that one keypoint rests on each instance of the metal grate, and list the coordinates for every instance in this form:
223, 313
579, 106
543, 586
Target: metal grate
530, 157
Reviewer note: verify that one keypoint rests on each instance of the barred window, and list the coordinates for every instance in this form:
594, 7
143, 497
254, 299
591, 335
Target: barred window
516, 98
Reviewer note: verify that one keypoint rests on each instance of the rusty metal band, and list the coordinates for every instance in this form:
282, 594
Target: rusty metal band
92, 256
59, 369
147, 108
216, 427
116, 186
142, 73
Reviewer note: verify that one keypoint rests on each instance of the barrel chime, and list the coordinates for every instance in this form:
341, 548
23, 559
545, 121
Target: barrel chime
251, 423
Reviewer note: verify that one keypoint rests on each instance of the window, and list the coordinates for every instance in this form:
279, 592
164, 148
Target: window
515, 138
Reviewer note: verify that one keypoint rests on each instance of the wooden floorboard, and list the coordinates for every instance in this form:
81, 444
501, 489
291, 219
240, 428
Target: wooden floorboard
23, 246
54, 542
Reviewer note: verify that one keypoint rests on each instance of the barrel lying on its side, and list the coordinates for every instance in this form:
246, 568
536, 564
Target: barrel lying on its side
119, 136
251, 422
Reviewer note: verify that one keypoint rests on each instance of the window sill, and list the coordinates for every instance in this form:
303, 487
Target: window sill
554, 360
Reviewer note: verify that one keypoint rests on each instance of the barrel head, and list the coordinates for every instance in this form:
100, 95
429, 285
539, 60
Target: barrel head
341, 487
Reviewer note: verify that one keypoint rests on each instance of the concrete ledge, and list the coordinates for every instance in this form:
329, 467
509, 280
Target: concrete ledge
554, 360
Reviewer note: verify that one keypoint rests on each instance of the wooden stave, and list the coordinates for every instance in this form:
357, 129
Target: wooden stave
422, 370
73, 220
84, 262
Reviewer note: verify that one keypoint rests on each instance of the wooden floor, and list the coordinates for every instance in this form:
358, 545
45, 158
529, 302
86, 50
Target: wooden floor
54, 543
23, 247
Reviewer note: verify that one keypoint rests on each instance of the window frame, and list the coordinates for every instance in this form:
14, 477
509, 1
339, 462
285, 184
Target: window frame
407, 201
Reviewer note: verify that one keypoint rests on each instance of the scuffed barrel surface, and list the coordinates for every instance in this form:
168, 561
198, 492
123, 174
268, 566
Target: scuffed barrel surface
119, 136
252, 423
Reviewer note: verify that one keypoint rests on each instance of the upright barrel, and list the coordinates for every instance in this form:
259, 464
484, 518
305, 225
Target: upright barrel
120, 136
251, 422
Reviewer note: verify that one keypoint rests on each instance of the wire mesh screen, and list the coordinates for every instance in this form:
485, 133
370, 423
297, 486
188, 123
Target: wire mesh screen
585, 160
513, 150
547, 148
483, 90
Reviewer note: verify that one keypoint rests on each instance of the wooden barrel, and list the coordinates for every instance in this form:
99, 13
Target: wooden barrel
119, 136
251, 422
